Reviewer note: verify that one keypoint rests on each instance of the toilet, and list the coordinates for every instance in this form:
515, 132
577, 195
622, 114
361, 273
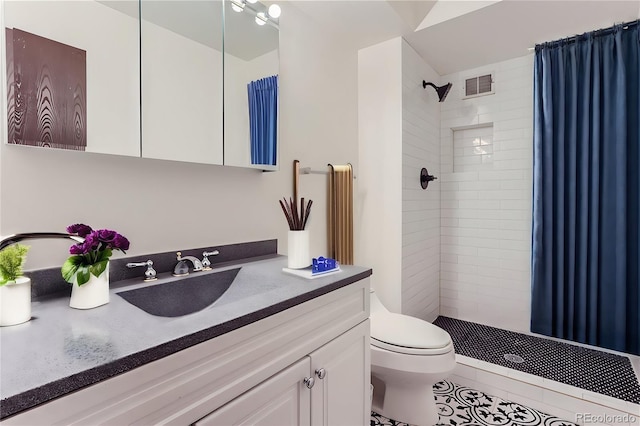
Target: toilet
408, 356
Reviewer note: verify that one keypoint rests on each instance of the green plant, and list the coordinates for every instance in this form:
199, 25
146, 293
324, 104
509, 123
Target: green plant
12, 260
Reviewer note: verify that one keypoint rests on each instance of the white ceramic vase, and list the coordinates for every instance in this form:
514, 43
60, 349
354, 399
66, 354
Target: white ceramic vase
92, 294
298, 250
15, 302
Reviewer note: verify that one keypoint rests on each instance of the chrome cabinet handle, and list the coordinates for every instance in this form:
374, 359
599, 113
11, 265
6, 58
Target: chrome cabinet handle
309, 382
321, 373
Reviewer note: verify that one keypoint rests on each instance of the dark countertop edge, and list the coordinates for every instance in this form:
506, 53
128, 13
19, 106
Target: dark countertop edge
15, 404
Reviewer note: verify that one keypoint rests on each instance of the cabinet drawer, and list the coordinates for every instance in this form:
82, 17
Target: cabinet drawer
281, 400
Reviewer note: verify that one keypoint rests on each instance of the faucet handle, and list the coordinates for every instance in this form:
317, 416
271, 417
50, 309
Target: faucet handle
206, 263
149, 274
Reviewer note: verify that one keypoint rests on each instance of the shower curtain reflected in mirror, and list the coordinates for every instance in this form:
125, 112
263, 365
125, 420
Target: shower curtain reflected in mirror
263, 120
586, 195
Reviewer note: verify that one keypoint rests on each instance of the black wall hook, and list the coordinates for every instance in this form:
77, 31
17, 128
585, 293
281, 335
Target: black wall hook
425, 178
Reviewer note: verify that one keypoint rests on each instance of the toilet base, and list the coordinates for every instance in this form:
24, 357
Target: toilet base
413, 404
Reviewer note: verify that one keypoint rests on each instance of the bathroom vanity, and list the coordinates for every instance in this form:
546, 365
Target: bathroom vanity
274, 349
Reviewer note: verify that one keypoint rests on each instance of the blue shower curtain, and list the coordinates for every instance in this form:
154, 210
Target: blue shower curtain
263, 119
586, 189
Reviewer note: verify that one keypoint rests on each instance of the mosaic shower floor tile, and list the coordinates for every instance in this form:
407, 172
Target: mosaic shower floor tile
597, 371
462, 406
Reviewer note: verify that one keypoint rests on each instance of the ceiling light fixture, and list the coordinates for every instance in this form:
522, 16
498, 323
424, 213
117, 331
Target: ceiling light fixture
237, 5
274, 11
261, 18
252, 1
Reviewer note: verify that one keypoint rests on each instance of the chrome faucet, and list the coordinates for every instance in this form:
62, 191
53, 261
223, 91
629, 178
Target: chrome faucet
16, 238
206, 263
182, 268
150, 273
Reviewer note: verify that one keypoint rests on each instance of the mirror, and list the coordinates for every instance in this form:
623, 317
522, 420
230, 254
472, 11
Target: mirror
182, 80
251, 66
72, 75
80, 72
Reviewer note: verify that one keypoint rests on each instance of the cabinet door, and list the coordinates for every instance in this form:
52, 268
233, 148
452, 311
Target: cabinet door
341, 396
281, 400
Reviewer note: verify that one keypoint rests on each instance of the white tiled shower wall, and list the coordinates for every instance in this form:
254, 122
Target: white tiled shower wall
486, 214
420, 208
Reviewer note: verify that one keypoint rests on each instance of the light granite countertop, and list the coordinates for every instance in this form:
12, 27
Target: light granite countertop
63, 349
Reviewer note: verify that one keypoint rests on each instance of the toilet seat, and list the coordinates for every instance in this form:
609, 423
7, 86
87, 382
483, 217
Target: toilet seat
408, 335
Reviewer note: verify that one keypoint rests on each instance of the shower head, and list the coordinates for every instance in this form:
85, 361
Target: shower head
442, 91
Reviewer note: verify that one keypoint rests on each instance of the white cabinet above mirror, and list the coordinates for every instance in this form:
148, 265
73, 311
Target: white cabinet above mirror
72, 75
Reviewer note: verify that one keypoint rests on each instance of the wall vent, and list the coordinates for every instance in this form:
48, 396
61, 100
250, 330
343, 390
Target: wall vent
478, 86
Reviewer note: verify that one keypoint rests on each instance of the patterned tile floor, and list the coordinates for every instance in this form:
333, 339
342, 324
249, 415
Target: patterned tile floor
462, 406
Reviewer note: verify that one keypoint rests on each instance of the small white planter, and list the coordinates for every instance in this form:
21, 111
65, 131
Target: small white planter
15, 302
298, 250
92, 294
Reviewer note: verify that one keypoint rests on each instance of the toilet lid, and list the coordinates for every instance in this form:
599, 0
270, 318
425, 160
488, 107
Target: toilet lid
409, 332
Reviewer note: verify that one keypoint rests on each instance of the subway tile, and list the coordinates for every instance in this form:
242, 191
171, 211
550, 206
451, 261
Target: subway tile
501, 175
449, 204
514, 215
514, 154
460, 250
515, 204
448, 311
458, 177
513, 164
479, 204
514, 123
478, 185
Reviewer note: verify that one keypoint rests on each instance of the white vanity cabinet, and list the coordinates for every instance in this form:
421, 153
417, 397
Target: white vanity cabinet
251, 375
325, 388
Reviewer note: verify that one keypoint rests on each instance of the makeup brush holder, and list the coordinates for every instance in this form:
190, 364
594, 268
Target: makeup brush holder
298, 249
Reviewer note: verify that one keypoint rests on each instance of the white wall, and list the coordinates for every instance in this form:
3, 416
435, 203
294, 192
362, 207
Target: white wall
163, 205
110, 39
420, 208
486, 215
380, 174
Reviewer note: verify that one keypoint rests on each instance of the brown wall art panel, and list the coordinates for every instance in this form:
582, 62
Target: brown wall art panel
46, 92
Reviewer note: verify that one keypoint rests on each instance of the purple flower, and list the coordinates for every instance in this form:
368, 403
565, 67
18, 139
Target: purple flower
76, 249
91, 242
121, 243
106, 235
80, 229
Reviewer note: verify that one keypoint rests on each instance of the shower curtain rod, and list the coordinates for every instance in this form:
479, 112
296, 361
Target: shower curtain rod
601, 31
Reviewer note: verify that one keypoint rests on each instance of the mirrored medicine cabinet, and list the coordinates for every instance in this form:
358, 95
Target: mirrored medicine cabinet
183, 80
